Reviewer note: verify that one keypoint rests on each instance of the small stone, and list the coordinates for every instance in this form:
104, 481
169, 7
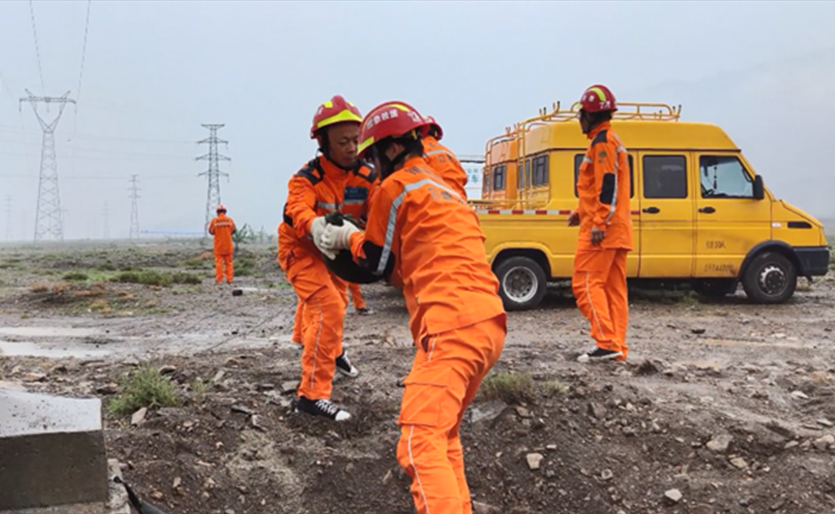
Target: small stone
800, 395
138, 417
523, 412
387, 478
34, 377
551, 447
108, 389
218, 376
597, 410
673, 495
720, 443
698, 331
242, 410
791, 444
483, 508
289, 386
534, 460
167, 369
822, 443
156, 495
606, 474
739, 463
177, 482
265, 387
825, 422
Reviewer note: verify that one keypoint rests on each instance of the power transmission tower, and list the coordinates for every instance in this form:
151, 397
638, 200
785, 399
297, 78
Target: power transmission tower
105, 228
8, 218
48, 214
213, 173
134, 208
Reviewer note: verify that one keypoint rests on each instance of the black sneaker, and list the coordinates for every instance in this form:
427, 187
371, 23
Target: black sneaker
599, 354
365, 311
344, 366
322, 407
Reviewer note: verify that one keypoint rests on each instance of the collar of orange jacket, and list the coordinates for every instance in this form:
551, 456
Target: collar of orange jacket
606, 125
332, 169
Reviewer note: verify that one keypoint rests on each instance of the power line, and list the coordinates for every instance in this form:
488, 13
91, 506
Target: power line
37, 46
84, 49
134, 208
213, 173
48, 220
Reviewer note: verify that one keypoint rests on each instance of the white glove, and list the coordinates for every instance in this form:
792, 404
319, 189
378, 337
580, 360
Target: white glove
338, 238
317, 230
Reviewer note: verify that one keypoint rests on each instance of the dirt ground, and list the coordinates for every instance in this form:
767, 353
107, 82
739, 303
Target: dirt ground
722, 407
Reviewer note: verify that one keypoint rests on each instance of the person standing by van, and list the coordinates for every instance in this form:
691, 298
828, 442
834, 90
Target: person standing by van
605, 238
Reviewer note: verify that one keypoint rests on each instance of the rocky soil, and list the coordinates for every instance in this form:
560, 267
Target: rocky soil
722, 407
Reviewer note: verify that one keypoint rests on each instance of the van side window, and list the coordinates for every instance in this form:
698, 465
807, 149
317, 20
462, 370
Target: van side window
724, 176
665, 176
578, 160
540, 170
520, 177
498, 178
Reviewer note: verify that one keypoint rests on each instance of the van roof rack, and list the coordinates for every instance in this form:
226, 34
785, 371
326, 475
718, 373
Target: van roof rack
648, 111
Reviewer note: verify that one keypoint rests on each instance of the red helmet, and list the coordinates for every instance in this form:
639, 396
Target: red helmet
220, 208
336, 110
389, 119
598, 98
432, 124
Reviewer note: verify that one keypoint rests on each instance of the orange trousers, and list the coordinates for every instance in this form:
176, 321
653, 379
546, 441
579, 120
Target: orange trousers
356, 296
445, 375
599, 284
321, 311
222, 261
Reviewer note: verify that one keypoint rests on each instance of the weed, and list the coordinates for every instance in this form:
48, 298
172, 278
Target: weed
200, 387
185, 278
76, 276
156, 278
144, 387
106, 267
507, 386
38, 288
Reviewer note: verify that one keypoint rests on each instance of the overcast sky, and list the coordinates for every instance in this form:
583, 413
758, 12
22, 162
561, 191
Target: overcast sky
155, 71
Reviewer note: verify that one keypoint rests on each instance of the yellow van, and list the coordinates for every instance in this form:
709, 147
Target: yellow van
700, 212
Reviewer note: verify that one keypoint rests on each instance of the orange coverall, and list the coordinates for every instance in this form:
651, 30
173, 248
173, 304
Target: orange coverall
221, 228
599, 279
358, 186
446, 165
317, 189
423, 228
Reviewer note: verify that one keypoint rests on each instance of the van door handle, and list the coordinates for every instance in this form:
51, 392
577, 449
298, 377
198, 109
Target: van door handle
707, 210
651, 210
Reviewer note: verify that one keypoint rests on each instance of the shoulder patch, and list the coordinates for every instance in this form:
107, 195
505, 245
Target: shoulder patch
366, 171
312, 172
601, 137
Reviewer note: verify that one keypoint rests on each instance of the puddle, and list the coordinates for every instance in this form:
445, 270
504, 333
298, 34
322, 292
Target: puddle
48, 331
50, 352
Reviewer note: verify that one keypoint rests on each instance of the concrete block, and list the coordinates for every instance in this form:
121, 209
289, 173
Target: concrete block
52, 452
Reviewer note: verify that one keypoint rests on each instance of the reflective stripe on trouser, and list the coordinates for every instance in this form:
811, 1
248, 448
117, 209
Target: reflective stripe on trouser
599, 284
322, 316
445, 375
222, 261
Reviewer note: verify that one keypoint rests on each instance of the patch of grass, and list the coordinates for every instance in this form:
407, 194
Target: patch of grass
76, 276
185, 278
106, 267
555, 388
143, 387
245, 267
200, 388
10, 265
508, 386
156, 278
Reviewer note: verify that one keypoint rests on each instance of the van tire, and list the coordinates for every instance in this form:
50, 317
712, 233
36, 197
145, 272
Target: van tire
714, 288
770, 277
522, 283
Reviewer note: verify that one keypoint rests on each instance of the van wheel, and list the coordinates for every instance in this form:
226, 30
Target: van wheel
715, 287
522, 283
770, 278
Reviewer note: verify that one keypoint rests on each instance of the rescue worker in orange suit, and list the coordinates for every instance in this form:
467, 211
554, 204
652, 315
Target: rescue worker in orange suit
222, 227
456, 316
313, 192
442, 160
605, 238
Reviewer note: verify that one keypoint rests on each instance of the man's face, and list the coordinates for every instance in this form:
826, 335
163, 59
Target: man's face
585, 123
343, 139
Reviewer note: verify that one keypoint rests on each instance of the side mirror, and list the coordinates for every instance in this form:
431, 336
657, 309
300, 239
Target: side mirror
759, 187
